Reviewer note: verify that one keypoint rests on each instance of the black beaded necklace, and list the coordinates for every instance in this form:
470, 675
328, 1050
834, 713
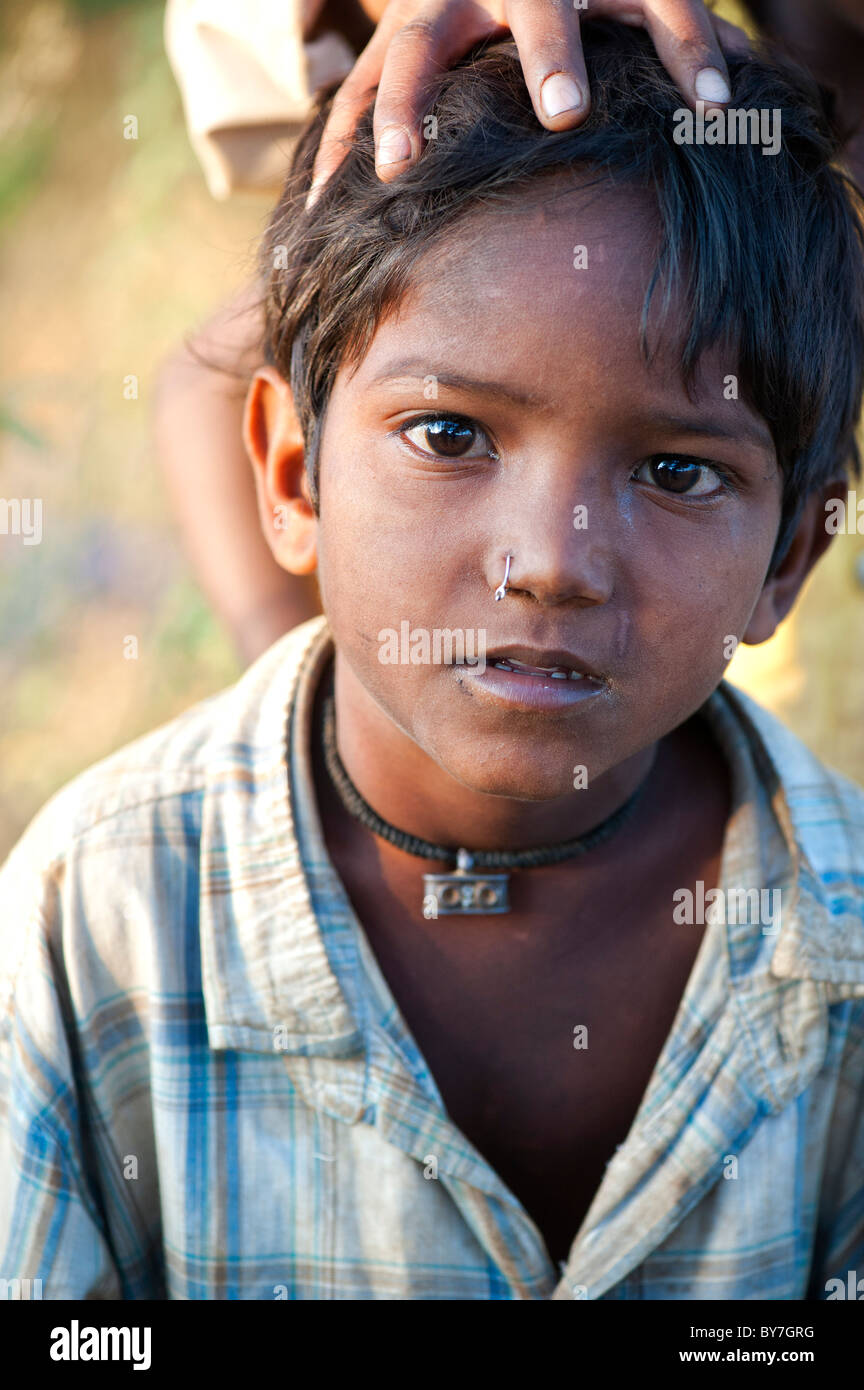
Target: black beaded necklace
464, 891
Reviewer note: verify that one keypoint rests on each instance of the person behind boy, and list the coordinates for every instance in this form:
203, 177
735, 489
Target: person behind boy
536, 975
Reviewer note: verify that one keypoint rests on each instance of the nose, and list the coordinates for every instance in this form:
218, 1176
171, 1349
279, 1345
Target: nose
558, 556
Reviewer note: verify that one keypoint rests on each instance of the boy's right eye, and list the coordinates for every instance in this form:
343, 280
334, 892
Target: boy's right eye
448, 436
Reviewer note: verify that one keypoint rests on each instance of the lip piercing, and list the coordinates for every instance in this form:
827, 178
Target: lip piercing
501, 591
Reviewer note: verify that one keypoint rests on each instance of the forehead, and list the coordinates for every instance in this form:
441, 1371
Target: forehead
568, 239
549, 287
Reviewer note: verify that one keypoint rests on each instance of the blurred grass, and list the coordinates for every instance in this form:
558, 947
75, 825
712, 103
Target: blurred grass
23, 163
110, 250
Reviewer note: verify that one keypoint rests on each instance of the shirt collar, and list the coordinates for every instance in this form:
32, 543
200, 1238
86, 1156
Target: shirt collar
821, 818
267, 980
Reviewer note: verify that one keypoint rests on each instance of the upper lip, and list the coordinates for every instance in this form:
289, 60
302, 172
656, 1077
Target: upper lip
546, 657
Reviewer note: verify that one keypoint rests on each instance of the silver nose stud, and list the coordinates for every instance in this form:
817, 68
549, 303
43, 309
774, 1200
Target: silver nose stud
501, 591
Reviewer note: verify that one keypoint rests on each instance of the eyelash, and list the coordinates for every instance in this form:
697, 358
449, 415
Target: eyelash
433, 417
727, 480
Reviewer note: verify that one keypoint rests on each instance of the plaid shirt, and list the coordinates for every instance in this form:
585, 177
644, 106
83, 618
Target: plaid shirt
208, 1092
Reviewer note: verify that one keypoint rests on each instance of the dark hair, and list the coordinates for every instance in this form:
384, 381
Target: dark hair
766, 250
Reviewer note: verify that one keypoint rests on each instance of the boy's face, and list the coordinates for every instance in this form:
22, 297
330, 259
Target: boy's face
544, 404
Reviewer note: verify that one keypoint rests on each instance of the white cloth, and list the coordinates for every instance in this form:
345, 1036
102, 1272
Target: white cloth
247, 77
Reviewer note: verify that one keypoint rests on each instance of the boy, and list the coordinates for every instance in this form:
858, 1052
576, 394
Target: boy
582, 396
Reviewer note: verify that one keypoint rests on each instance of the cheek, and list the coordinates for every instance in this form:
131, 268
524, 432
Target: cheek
386, 553
391, 541
698, 600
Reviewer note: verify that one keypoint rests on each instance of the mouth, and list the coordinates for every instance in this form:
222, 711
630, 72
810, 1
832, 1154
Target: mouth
556, 665
555, 673
537, 680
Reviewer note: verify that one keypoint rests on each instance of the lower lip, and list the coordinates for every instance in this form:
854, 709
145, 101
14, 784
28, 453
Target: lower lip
541, 693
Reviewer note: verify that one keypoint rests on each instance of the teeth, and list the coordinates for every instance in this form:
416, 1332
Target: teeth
557, 673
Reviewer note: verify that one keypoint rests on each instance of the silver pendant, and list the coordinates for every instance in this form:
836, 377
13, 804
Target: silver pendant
465, 893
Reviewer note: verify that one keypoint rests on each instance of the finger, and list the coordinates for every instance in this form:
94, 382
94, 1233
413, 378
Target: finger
550, 50
417, 55
688, 48
349, 103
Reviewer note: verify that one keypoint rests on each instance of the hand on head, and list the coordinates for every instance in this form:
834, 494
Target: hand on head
417, 39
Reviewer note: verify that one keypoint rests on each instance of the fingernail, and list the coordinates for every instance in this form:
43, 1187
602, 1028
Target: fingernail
314, 192
711, 85
394, 146
560, 93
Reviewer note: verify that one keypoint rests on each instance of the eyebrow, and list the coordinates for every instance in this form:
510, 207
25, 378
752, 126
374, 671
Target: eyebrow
711, 428
418, 369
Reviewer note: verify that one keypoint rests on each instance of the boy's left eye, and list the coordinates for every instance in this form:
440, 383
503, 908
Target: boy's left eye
678, 474
449, 436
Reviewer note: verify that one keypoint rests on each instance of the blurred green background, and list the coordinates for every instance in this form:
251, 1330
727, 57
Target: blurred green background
110, 250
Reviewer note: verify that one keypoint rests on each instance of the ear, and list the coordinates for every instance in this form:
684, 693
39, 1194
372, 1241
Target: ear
811, 539
274, 443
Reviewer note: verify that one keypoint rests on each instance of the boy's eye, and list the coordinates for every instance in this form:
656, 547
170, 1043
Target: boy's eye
676, 473
449, 436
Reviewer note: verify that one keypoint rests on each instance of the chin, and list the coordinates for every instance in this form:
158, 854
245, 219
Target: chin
534, 783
